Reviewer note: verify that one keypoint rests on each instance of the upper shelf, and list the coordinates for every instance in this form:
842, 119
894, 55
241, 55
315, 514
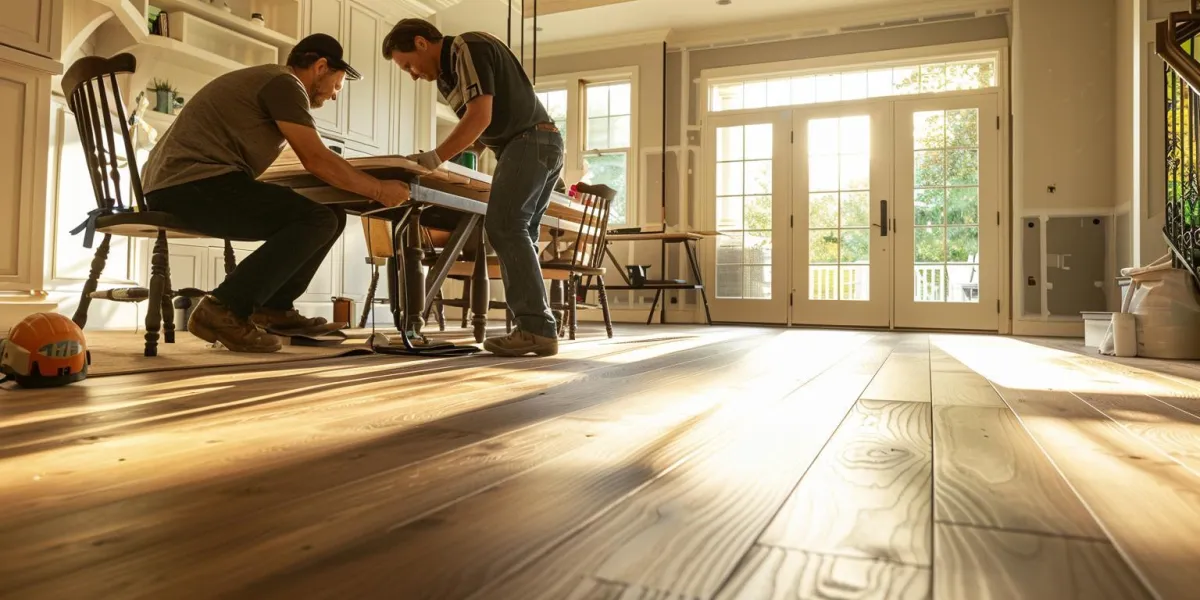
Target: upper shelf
237, 23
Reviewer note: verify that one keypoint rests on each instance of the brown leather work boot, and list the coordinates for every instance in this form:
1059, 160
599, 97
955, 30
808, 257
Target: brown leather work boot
213, 322
520, 343
291, 321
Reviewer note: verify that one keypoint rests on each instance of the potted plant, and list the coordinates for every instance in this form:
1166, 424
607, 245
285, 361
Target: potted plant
165, 96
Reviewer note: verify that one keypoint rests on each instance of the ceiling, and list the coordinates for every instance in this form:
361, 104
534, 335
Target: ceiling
564, 20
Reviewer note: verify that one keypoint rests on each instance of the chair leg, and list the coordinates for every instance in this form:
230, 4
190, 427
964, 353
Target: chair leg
441, 313
85, 298
466, 299
556, 300
157, 282
168, 309
572, 304
370, 303
604, 307
230, 258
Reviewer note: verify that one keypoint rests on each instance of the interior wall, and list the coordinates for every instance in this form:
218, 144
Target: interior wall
1064, 107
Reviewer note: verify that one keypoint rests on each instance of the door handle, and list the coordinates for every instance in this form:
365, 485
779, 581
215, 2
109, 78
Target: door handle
883, 218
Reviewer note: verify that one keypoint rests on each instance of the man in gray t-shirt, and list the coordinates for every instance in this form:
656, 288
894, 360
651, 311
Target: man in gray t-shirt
487, 87
204, 170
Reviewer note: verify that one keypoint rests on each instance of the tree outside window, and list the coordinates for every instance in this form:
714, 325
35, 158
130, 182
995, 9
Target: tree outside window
555, 103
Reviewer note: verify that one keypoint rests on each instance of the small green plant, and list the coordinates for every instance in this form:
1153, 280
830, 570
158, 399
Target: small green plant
159, 85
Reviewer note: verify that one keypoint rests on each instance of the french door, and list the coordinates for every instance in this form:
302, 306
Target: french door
750, 159
947, 258
841, 249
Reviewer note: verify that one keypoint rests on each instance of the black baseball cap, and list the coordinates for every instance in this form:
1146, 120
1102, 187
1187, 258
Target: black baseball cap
328, 48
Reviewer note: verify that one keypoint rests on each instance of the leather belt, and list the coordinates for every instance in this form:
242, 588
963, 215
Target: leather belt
546, 127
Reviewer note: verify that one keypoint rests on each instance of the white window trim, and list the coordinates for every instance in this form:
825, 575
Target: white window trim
635, 210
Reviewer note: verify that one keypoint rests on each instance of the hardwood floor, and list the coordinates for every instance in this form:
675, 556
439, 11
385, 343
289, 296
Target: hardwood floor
670, 462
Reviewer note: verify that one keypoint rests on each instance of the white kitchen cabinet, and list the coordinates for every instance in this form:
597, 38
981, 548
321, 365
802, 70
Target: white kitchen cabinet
327, 16
34, 26
24, 141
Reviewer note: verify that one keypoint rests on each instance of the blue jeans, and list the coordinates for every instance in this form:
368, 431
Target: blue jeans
526, 172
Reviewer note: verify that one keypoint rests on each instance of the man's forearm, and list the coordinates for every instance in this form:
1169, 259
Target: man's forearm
335, 171
464, 135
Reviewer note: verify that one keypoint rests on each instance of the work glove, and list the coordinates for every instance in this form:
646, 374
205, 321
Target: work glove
430, 160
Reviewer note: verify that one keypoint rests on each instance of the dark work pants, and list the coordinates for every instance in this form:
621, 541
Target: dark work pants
297, 234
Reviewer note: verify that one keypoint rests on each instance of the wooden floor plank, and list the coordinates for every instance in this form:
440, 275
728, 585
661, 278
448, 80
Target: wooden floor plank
325, 503
869, 493
989, 472
950, 388
1114, 471
247, 429
687, 531
444, 549
782, 574
984, 564
1174, 432
905, 376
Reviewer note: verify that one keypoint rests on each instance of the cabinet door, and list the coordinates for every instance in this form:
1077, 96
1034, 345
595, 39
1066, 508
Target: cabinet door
189, 266
33, 26
356, 273
363, 43
325, 16
216, 264
385, 92
24, 129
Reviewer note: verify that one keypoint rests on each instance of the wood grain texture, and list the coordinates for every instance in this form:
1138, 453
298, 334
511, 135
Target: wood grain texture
780, 574
447, 553
1113, 472
952, 388
989, 472
869, 493
905, 375
687, 531
1176, 433
984, 564
289, 515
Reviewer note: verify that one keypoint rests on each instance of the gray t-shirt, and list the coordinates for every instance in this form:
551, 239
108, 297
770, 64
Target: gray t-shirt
228, 126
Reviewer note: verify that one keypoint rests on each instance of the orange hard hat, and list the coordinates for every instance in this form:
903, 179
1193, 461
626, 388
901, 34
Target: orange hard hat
45, 350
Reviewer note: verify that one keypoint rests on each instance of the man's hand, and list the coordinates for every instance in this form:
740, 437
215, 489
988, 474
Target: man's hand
430, 160
392, 193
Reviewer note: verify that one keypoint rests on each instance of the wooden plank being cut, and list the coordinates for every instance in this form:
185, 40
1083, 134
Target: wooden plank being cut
989, 472
782, 574
984, 564
687, 531
1148, 504
869, 493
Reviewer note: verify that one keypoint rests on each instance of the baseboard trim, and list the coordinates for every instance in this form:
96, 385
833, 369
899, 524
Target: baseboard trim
15, 307
1068, 329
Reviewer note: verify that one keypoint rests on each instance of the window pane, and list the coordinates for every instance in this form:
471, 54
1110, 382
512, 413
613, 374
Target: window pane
829, 87
618, 99
930, 283
855, 283
822, 282
758, 213
779, 92
930, 246
931, 168
597, 133
729, 143
823, 246
929, 206
823, 210
963, 283
729, 213
823, 135
729, 281
618, 132
962, 128
727, 96
730, 250
854, 85
758, 248
933, 78
855, 135
804, 90
962, 244
597, 101
856, 209
823, 174
906, 80
758, 177
879, 83
856, 172
856, 246
729, 179
757, 282
755, 94
962, 206
929, 130
962, 167
759, 141
610, 169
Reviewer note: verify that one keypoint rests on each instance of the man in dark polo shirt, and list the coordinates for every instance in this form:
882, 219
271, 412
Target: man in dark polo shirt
486, 86
204, 170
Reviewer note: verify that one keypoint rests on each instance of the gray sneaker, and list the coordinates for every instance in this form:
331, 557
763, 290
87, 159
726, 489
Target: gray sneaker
213, 322
520, 343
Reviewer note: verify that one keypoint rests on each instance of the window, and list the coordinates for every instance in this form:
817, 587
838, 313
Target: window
607, 141
555, 103
942, 76
595, 113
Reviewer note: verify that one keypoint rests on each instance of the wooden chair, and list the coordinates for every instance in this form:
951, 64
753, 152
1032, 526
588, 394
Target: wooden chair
93, 94
566, 266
